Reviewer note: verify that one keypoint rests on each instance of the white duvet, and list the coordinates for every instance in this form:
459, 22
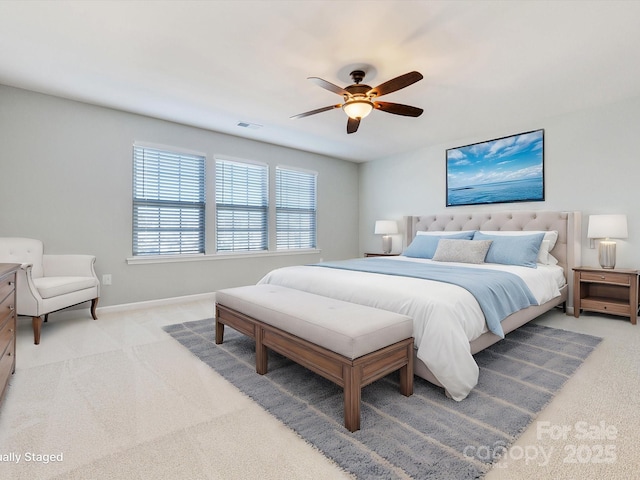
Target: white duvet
445, 317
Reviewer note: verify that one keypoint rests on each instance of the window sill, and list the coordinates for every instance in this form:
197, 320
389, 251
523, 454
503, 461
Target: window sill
148, 259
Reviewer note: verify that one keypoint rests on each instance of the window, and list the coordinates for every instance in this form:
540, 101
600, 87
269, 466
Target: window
242, 200
168, 202
295, 209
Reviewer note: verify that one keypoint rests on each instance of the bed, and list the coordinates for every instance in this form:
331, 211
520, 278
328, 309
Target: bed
449, 324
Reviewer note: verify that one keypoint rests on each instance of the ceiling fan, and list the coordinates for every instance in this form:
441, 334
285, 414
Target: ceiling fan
359, 99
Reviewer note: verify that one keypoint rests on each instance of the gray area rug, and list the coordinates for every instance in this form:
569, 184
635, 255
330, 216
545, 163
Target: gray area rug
425, 436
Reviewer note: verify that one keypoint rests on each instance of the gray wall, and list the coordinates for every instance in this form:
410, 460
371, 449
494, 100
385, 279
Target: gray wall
591, 164
66, 168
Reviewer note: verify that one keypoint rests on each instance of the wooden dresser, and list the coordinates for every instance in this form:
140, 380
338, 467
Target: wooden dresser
7, 323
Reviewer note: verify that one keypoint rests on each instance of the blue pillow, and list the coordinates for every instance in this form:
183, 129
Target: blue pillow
512, 250
424, 246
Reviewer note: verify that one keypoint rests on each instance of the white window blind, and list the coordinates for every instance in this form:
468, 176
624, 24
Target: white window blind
242, 199
295, 209
168, 202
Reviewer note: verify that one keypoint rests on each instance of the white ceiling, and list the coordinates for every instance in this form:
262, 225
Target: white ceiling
487, 65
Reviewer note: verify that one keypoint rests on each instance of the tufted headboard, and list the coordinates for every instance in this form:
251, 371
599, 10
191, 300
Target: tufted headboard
568, 224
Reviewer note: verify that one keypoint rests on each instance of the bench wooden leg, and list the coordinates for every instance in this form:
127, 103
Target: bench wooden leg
262, 352
406, 374
219, 332
352, 394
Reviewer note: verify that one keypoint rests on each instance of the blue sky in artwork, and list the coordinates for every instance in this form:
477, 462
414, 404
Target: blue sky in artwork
518, 157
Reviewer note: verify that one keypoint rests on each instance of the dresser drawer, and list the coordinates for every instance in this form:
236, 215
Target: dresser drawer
7, 309
7, 324
7, 286
7, 333
7, 366
606, 277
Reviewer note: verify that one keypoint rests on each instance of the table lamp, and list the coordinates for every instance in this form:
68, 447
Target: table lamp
386, 228
606, 227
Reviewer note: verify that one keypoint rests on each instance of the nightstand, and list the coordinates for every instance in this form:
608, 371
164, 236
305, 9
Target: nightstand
606, 291
369, 254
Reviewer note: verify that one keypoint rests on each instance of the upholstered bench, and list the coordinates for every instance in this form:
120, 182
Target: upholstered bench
352, 345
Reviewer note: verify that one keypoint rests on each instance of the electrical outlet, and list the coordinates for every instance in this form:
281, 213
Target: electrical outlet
106, 279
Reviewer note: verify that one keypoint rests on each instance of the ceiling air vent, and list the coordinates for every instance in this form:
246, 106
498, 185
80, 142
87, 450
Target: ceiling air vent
252, 126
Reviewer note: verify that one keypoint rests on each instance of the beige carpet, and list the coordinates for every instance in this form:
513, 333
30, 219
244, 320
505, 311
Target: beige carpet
118, 398
605, 391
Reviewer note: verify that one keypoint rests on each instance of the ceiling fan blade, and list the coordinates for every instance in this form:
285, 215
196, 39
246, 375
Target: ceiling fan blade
352, 125
398, 109
328, 86
319, 110
395, 84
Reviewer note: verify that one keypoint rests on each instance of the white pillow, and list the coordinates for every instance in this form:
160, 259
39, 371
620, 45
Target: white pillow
548, 242
544, 257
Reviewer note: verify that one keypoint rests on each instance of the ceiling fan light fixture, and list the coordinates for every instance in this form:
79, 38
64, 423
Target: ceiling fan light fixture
358, 98
358, 108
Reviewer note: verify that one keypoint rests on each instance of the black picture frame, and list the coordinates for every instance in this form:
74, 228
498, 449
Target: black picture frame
503, 170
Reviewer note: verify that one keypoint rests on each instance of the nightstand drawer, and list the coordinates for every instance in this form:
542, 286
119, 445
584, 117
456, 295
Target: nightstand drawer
605, 307
606, 277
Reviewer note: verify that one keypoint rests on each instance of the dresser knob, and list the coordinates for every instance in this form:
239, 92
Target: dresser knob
11, 307
10, 284
602, 277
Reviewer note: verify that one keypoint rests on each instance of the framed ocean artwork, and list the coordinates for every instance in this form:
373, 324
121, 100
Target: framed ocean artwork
503, 170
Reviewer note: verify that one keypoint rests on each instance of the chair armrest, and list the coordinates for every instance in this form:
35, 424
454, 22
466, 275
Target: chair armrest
69, 265
29, 298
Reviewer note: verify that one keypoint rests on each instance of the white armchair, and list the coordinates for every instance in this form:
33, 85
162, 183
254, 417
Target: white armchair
47, 283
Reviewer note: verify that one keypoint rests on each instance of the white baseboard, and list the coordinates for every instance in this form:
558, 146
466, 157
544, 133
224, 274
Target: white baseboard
173, 300
158, 303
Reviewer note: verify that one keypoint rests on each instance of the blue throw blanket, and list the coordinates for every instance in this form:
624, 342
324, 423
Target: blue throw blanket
499, 293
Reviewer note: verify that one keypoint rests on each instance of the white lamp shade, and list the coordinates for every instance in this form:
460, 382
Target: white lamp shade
357, 108
386, 227
607, 226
